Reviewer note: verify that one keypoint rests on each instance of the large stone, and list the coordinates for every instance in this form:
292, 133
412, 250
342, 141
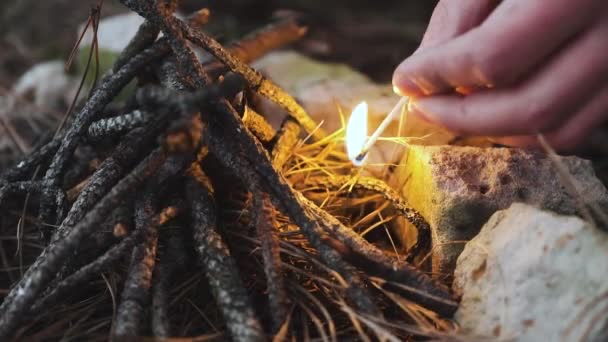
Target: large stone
114, 32
532, 275
48, 85
458, 188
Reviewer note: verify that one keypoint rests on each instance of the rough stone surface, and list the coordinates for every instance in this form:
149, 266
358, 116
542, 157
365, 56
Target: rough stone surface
458, 188
532, 275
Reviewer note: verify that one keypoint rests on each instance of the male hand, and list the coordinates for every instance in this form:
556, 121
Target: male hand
526, 67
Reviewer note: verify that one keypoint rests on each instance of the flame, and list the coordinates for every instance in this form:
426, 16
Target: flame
356, 133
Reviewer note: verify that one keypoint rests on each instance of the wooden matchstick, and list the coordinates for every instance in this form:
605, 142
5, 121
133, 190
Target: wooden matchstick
374, 137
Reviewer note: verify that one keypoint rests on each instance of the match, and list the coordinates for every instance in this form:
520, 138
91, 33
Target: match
374, 137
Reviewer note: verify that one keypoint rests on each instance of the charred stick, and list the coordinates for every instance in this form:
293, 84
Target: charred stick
258, 125
427, 291
87, 272
22, 296
108, 173
188, 102
172, 260
256, 81
27, 165
221, 271
161, 14
102, 263
136, 292
110, 86
85, 159
267, 38
259, 42
177, 29
266, 224
122, 219
288, 138
227, 154
169, 76
389, 194
116, 125
199, 18
294, 203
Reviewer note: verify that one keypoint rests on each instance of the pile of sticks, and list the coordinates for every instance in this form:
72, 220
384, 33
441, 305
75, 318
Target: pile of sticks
188, 179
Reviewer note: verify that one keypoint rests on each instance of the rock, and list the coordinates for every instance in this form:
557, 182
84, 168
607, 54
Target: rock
47, 84
114, 32
113, 35
531, 275
458, 188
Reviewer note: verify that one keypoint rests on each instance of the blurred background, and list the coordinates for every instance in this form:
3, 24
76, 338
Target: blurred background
372, 36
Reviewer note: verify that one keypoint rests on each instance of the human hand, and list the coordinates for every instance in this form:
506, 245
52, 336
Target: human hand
534, 67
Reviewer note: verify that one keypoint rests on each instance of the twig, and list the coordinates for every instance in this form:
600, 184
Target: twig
288, 138
221, 271
171, 261
102, 263
356, 291
108, 89
136, 293
397, 201
28, 163
435, 295
176, 28
48, 263
258, 125
266, 224
256, 81
115, 125
259, 42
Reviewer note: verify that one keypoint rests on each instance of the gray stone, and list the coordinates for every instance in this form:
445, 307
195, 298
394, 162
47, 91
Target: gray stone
48, 85
458, 188
114, 32
532, 275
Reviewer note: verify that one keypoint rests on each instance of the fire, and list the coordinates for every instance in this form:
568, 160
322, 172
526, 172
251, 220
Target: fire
356, 133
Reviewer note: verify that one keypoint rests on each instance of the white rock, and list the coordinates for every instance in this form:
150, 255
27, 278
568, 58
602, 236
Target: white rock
114, 32
531, 275
48, 83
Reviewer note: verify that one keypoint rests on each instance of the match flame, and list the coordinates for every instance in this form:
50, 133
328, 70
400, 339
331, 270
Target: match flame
356, 133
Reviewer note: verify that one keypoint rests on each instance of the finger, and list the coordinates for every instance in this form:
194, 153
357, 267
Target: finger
451, 18
513, 39
574, 131
537, 105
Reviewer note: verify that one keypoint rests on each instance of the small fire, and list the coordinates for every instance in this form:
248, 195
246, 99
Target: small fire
356, 133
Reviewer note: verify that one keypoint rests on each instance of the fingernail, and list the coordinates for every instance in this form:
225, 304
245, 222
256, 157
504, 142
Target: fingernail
403, 84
